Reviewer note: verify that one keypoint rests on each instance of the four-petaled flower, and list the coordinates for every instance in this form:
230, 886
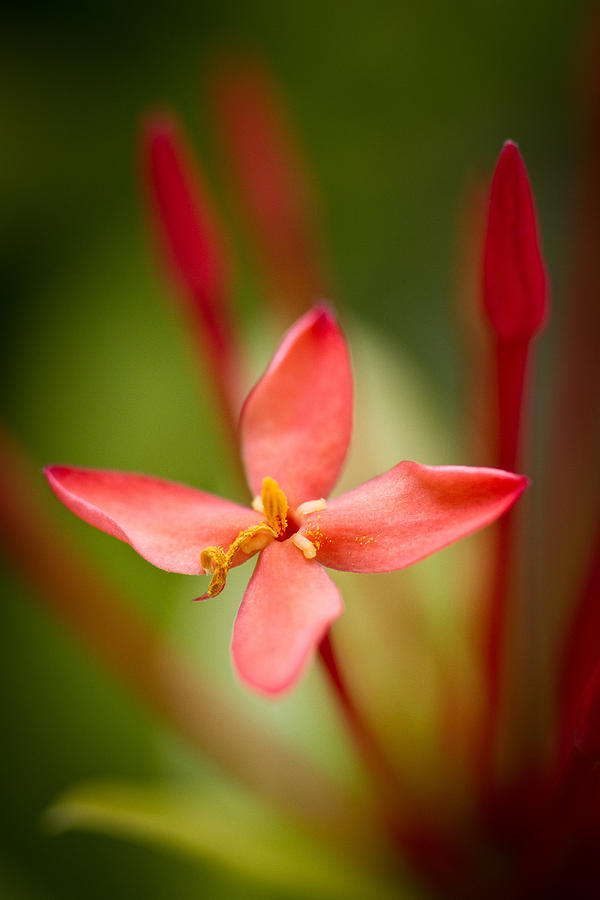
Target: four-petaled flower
295, 429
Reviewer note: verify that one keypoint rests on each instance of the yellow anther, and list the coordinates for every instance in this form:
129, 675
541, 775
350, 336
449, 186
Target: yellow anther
256, 542
219, 561
246, 537
214, 559
275, 506
304, 545
257, 504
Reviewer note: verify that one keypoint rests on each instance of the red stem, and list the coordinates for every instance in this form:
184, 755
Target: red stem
495, 636
580, 653
436, 857
511, 360
511, 368
562, 852
368, 746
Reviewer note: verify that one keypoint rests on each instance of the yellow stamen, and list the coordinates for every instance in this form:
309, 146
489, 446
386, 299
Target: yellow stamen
304, 545
311, 506
256, 542
214, 559
217, 561
275, 506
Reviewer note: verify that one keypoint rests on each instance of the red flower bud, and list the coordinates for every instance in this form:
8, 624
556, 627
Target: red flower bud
514, 277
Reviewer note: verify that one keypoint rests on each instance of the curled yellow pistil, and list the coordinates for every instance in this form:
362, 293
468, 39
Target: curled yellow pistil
273, 504
215, 560
219, 561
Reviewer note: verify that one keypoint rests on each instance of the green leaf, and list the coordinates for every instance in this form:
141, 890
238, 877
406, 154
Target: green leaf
228, 830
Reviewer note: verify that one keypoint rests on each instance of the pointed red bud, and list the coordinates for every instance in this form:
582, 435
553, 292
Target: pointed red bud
514, 277
185, 217
190, 234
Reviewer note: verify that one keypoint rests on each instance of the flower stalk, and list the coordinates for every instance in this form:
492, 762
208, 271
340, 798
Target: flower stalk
375, 760
515, 302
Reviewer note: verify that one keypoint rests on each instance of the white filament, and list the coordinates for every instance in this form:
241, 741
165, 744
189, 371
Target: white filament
311, 506
304, 545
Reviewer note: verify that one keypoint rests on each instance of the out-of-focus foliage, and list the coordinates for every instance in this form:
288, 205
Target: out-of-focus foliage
226, 828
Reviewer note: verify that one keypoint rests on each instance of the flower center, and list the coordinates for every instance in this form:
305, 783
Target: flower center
282, 523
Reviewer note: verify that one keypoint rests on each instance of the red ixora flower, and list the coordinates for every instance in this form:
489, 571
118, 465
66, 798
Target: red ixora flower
295, 428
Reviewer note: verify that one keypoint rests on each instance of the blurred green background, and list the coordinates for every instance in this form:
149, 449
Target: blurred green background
397, 105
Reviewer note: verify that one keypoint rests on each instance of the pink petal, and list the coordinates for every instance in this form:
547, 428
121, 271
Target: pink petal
407, 513
287, 608
514, 277
169, 524
296, 423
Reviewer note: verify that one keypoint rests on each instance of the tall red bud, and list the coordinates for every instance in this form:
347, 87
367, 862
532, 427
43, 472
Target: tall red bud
515, 299
190, 236
514, 277
515, 291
